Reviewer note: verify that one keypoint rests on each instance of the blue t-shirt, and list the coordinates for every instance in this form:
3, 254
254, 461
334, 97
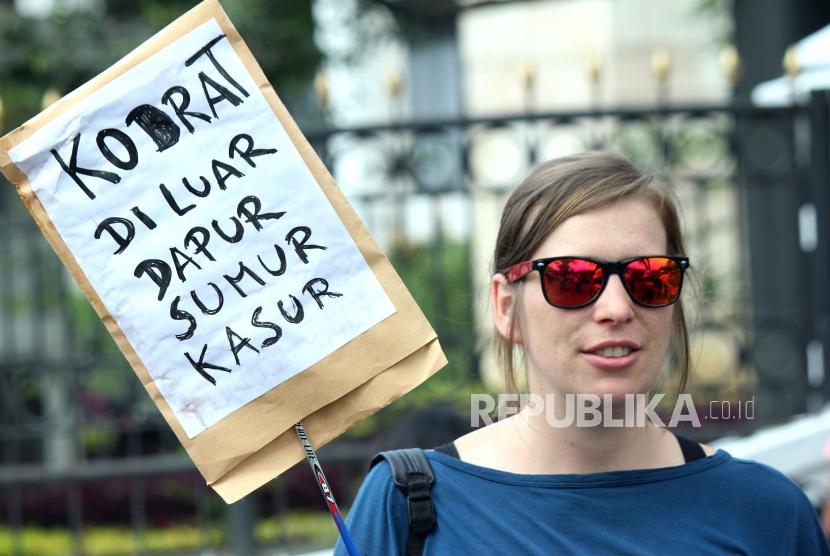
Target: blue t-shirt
715, 505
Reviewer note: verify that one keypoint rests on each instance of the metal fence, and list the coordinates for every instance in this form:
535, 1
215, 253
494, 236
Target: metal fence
81, 443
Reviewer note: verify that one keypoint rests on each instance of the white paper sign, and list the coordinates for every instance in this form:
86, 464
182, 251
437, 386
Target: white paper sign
203, 232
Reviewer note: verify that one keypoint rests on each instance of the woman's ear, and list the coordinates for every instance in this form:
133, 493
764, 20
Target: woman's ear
505, 307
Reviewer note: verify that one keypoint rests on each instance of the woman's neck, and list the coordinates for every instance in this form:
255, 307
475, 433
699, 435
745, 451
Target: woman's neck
536, 441
541, 448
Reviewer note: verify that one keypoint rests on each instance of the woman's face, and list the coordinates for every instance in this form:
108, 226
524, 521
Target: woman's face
561, 345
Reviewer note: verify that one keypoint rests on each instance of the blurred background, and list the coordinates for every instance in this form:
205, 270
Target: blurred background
428, 113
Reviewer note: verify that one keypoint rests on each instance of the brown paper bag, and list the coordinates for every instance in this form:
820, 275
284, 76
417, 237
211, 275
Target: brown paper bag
184, 133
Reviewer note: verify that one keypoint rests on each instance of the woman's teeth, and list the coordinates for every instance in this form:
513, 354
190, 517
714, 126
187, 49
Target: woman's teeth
616, 351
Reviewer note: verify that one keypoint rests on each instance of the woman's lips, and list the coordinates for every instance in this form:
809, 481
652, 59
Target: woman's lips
612, 362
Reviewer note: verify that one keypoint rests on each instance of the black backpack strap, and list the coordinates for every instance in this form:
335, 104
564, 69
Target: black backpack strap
692, 451
412, 472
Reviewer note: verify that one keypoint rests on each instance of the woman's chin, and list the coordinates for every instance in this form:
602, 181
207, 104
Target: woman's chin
616, 392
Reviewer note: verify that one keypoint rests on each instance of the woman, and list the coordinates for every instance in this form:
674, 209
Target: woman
585, 326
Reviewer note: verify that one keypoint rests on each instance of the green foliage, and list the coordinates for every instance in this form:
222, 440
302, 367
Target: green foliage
437, 275
703, 146
278, 32
297, 528
718, 10
414, 20
312, 530
67, 48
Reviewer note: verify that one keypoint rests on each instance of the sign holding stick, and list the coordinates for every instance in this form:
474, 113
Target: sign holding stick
231, 271
325, 489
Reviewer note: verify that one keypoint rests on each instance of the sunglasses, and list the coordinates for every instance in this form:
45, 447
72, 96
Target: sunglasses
574, 282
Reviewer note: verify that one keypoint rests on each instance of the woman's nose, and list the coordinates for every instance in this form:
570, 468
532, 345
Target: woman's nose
614, 304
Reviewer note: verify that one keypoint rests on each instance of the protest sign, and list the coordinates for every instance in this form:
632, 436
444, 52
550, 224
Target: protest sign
231, 271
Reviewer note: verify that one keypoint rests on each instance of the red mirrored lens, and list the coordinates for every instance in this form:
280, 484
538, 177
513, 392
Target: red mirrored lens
571, 282
654, 280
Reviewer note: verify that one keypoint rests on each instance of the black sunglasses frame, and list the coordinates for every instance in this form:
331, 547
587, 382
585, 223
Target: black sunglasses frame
521, 270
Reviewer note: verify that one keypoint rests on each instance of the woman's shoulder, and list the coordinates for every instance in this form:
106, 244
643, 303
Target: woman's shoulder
757, 477
759, 489
775, 499
485, 446
378, 481
378, 490
377, 517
